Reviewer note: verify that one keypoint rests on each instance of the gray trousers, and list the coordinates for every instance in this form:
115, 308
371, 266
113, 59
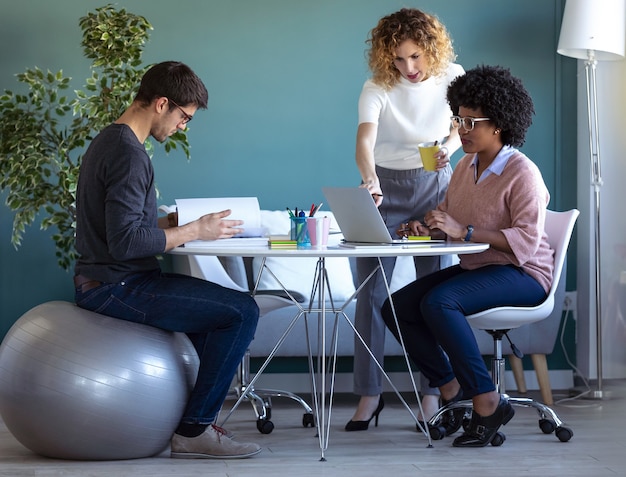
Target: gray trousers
406, 195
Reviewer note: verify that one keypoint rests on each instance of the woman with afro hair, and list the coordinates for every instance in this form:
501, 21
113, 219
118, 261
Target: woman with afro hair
496, 196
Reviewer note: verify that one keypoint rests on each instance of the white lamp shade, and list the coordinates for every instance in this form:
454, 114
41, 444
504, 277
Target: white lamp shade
595, 26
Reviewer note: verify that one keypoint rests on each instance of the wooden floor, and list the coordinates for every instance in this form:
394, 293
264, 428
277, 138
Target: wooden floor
394, 448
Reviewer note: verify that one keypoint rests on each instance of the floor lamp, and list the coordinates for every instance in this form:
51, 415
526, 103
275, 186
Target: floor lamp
594, 31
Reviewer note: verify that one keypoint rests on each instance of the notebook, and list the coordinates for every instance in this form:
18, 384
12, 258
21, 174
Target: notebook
358, 218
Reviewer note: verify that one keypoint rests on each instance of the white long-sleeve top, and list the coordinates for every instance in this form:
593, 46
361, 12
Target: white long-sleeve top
408, 114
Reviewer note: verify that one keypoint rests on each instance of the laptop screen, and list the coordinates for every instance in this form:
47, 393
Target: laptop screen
357, 215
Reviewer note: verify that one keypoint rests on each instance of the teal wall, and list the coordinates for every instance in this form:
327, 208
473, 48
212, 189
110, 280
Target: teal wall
283, 78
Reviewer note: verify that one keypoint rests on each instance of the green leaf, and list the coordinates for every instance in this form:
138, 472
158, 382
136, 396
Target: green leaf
40, 154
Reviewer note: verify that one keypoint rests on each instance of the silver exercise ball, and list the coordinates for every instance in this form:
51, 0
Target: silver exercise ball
79, 385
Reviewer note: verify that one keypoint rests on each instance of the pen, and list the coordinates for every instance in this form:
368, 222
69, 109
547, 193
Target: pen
290, 212
404, 231
312, 211
317, 208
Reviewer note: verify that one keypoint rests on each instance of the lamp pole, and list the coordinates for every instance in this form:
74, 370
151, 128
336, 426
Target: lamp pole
593, 31
596, 182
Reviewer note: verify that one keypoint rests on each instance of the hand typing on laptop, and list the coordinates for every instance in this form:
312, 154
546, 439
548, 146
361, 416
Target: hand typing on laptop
417, 228
412, 227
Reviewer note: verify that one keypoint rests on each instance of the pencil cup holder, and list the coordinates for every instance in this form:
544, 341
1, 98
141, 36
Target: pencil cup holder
299, 231
318, 231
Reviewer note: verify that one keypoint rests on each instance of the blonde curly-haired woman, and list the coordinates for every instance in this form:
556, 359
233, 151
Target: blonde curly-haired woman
403, 104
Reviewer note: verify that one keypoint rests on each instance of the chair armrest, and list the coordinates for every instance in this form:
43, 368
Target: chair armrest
270, 300
299, 297
235, 269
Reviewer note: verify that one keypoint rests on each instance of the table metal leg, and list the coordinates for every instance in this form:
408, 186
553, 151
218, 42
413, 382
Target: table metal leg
323, 412
320, 287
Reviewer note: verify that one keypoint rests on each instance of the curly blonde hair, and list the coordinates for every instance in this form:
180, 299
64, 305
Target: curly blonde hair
425, 30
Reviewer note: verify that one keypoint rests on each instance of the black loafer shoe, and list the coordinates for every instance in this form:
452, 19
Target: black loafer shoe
453, 419
449, 422
481, 430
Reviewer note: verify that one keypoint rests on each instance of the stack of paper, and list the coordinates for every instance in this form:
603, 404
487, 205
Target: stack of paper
242, 208
282, 241
245, 242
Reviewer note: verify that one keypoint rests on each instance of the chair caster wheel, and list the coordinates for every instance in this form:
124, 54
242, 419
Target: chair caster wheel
564, 433
498, 439
547, 426
308, 420
265, 426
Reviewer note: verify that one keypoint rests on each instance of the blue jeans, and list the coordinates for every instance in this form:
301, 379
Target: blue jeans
220, 323
431, 316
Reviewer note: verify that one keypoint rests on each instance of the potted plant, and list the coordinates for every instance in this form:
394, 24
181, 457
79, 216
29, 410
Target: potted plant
43, 133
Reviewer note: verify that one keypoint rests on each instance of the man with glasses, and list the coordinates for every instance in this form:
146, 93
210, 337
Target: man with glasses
186, 117
118, 236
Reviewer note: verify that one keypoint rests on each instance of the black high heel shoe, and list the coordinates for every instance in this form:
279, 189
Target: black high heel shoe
363, 425
484, 430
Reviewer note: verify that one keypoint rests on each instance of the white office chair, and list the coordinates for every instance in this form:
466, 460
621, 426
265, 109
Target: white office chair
208, 267
498, 321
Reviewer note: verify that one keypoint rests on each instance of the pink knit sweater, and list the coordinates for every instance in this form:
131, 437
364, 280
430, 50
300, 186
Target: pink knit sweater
515, 203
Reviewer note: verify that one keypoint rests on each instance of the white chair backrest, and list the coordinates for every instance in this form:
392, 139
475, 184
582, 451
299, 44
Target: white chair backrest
559, 227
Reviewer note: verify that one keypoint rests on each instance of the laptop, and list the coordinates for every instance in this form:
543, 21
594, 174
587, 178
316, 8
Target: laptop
358, 218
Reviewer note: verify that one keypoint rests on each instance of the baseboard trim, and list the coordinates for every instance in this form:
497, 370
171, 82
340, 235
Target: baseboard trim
301, 383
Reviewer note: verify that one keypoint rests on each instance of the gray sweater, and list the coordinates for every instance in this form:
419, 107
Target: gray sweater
116, 213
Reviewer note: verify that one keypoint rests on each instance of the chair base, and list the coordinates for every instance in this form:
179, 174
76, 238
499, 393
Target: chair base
261, 401
549, 421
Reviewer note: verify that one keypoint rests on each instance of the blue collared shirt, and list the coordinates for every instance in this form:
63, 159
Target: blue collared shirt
497, 165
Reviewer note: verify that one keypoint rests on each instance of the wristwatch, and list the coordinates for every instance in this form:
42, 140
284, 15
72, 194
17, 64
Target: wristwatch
470, 231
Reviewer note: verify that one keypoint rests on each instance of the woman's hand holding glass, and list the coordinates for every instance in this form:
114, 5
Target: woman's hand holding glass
443, 159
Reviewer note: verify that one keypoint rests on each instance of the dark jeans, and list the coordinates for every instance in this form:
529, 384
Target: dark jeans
431, 315
220, 323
